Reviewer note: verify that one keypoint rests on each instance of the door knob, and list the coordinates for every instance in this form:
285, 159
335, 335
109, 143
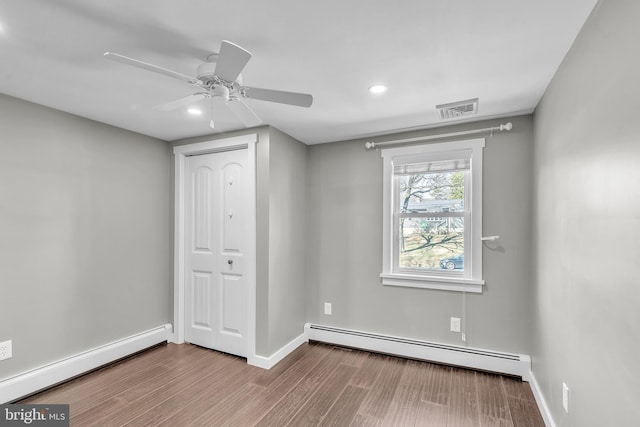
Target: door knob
230, 262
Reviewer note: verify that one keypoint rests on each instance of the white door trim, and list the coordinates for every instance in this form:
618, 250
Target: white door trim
181, 153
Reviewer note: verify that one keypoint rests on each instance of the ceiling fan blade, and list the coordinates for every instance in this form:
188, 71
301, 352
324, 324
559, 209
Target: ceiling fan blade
280, 96
134, 62
244, 113
179, 103
231, 60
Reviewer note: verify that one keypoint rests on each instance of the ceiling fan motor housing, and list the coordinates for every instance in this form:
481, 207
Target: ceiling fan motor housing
206, 71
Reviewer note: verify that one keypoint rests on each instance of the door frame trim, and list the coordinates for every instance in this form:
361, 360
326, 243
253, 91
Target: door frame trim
181, 153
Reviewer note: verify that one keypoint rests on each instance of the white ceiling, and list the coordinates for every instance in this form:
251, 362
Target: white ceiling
427, 52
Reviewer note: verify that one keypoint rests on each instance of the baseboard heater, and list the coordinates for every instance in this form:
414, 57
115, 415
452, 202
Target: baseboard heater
40, 378
467, 357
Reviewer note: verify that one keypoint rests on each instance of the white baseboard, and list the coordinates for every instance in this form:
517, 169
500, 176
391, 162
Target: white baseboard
505, 363
542, 403
29, 382
271, 361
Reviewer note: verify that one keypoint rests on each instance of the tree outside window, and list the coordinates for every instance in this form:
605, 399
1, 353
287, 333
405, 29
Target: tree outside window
431, 220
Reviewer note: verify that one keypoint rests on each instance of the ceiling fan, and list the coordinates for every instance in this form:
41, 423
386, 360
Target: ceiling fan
219, 79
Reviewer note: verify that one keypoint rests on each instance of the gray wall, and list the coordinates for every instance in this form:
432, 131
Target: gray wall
344, 258
281, 188
287, 239
587, 199
84, 247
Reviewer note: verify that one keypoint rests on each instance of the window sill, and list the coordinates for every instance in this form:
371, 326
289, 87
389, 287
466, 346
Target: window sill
441, 283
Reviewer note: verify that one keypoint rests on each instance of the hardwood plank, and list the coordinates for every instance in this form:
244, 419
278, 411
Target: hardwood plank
83, 385
367, 375
304, 376
345, 408
377, 402
175, 365
515, 387
317, 384
102, 412
352, 357
437, 388
98, 391
463, 402
322, 400
492, 402
432, 414
403, 410
103, 401
163, 399
221, 413
200, 395
524, 413
269, 375
103, 385
365, 421
289, 402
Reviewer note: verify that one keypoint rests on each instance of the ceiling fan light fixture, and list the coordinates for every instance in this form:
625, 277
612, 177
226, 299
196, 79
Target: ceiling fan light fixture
219, 80
220, 94
377, 89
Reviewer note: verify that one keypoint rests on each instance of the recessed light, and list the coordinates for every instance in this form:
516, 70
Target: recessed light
378, 89
194, 111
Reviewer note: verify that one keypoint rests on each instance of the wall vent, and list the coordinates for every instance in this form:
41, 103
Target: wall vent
457, 109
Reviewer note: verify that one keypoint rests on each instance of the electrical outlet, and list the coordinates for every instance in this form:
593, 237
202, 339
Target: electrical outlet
565, 397
5, 350
327, 308
455, 324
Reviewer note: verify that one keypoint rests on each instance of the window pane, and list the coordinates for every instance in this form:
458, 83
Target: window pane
432, 196
432, 243
431, 192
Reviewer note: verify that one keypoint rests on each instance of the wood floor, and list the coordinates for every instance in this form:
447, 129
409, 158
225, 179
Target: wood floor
317, 385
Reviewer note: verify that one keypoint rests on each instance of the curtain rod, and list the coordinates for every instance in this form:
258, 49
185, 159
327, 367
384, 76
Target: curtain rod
370, 144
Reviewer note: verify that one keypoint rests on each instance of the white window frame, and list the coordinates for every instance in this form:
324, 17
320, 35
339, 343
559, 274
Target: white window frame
471, 279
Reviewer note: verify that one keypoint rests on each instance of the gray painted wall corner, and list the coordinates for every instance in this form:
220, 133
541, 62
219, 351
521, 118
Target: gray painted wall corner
288, 227
587, 207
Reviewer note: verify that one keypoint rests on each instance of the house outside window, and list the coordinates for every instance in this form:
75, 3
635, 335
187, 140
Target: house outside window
433, 216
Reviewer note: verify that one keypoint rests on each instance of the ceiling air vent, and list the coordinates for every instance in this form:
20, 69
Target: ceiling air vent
457, 109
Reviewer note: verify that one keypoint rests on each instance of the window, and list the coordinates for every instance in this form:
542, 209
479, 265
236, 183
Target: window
433, 216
